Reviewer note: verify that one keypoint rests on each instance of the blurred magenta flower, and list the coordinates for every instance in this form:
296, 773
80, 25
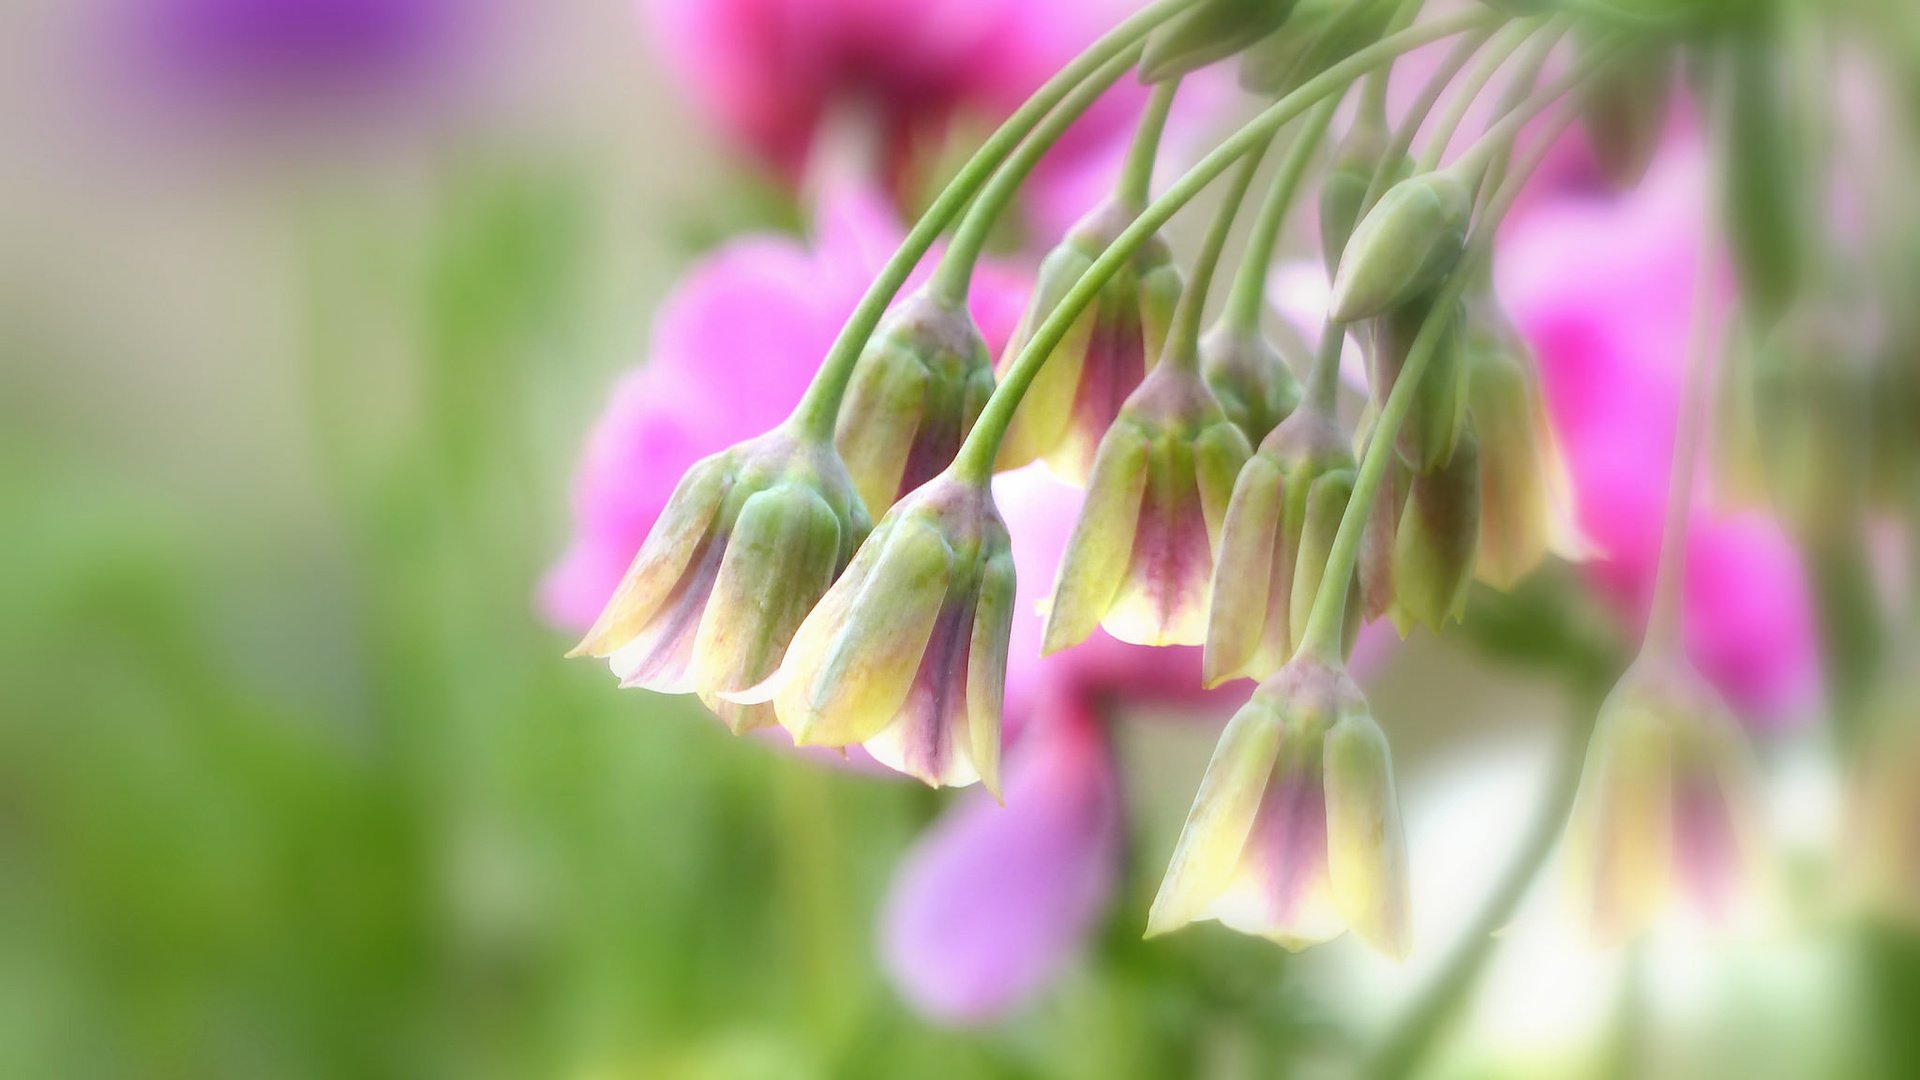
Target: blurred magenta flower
733, 347
779, 74
1610, 330
241, 56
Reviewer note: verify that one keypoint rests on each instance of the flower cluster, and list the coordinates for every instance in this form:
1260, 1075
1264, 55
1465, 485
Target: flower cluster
1231, 503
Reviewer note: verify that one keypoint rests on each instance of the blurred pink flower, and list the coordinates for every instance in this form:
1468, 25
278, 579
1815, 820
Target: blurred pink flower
1602, 286
776, 74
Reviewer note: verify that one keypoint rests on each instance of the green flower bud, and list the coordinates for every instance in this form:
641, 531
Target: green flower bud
1079, 391
1140, 560
1246, 373
1404, 247
1666, 804
1343, 193
1309, 43
1208, 31
1765, 176
1432, 426
906, 654
1625, 112
916, 391
1437, 541
749, 541
1295, 834
1280, 523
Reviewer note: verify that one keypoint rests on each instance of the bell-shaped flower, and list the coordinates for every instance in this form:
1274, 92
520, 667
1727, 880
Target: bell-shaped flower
1405, 246
1280, 523
747, 544
1295, 833
1249, 378
916, 391
1140, 562
906, 654
1666, 805
1526, 496
1208, 31
1432, 427
1102, 359
1437, 541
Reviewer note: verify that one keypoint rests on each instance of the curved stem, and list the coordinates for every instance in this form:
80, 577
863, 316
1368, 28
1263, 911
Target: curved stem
820, 405
1413, 1033
1497, 141
1469, 89
954, 276
1323, 379
1248, 298
975, 460
1416, 115
1323, 634
1136, 176
1183, 332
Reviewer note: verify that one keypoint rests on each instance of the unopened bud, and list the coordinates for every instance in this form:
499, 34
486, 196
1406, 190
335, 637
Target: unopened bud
1320, 34
1437, 541
1295, 834
1405, 246
1140, 560
1208, 31
915, 393
1079, 391
1432, 425
1247, 374
1343, 193
1626, 112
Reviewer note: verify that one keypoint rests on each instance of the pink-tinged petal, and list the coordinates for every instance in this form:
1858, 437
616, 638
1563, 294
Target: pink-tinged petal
993, 901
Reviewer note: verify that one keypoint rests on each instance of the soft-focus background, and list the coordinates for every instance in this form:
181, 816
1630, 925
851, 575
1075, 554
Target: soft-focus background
298, 349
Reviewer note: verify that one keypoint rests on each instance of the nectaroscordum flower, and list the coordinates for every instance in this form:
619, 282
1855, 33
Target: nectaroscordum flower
906, 654
916, 391
1280, 523
1140, 561
1105, 355
748, 543
1437, 540
1249, 378
1665, 806
1295, 834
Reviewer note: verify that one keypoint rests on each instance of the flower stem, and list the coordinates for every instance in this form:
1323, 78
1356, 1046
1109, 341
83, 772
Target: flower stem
1323, 635
1416, 115
1248, 298
820, 406
1136, 176
1323, 379
1183, 333
1491, 61
975, 460
953, 278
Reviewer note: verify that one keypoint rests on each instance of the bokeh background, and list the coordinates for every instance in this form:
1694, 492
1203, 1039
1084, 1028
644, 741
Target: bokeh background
294, 782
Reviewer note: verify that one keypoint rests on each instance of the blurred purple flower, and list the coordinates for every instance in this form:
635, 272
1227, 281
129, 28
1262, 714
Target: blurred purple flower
1611, 333
237, 56
776, 74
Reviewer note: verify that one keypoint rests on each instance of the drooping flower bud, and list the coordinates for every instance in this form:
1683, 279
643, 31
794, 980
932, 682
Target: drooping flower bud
1666, 804
1404, 247
1309, 43
1432, 427
1250, 379
1208, 31
916, 391
1343, 192
1140, 560
1437, 541
1811, 404
749, 541
1274, 543
1295, 833
907, 654
1525, 493
1625, 112
1103, 357
1883, 800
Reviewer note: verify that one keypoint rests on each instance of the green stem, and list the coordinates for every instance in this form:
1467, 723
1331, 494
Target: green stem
1441, 1000
975, 460
1183, 332
953, 278
1416, 115
1136, 176
1497, 142
1322, 637
1323, 379
819, 407
1248, 298
1469, 89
